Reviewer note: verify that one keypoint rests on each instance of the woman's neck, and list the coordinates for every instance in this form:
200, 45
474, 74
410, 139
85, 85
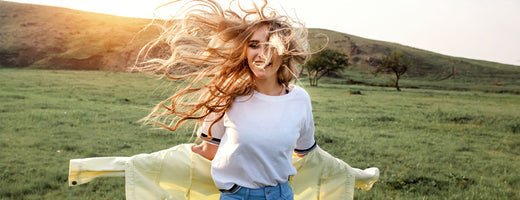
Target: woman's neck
271, 88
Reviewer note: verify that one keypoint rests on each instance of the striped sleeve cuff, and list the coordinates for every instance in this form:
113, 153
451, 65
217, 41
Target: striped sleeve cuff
204, 137
305, 151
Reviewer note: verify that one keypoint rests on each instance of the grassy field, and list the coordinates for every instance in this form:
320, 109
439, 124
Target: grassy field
428, 144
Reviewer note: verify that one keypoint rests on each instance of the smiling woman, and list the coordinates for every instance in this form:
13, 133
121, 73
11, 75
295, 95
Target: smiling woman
252, 119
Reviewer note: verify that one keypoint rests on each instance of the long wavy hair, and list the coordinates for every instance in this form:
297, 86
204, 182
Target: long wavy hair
210, 44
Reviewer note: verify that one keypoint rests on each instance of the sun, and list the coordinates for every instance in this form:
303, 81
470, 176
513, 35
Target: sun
125, 8
141, 9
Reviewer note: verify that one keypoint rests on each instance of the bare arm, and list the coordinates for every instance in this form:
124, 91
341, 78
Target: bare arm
206, 150
299, 155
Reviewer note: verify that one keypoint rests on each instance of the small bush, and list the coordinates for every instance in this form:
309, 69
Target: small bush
354, 92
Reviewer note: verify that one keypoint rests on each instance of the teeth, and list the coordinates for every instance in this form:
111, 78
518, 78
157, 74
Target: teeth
262, 65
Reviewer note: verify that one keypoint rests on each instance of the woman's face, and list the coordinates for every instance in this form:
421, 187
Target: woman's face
258, 53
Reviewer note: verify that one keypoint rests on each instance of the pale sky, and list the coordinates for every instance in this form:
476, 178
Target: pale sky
477, 29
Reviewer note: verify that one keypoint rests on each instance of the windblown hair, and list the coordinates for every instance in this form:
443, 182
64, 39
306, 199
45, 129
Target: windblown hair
212, 42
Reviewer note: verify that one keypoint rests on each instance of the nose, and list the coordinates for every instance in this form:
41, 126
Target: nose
261, 52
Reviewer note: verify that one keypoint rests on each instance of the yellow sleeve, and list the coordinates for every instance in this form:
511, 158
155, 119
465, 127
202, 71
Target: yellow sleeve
178, 173
322, 176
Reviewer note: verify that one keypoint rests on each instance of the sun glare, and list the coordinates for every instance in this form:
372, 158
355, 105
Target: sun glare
141, 9
125, 8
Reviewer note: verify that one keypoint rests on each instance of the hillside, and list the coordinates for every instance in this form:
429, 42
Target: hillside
363, 52
57, 38
47, 37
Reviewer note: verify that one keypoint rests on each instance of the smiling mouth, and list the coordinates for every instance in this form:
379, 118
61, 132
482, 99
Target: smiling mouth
263, 65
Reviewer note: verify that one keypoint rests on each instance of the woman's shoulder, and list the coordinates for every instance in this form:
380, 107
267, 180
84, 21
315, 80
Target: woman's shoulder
297, 88
299, 91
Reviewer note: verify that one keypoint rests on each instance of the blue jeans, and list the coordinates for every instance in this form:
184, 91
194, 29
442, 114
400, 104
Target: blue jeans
281, 191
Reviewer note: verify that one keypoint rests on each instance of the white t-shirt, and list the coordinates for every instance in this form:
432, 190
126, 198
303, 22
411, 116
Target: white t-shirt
257, 137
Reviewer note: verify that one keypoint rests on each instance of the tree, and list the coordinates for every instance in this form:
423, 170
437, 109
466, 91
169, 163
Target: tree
397, 63
325, 62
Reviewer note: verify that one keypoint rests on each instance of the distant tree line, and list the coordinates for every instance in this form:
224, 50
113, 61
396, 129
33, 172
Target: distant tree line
329, 61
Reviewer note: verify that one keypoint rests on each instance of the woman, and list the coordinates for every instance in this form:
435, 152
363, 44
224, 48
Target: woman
252, 118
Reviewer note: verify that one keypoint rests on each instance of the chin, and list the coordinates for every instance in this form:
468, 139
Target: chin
260, 76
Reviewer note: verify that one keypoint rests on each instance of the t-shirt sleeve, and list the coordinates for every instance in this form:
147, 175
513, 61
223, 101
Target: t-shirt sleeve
306, 142
217, 131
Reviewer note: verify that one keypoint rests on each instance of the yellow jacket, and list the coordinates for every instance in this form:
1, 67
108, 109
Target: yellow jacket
178, 173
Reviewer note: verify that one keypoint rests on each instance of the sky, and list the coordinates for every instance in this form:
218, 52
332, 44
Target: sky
476, 29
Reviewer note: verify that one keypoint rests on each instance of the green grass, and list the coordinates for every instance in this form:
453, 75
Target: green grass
511, 84
428, 144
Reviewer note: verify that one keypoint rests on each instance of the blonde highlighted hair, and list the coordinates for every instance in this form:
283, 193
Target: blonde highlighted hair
211, 43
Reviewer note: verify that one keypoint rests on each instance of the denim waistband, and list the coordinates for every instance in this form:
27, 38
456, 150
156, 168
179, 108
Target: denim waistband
277, 190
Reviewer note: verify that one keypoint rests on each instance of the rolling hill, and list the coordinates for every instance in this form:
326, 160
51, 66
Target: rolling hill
48, 37
363, 52
36, 36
